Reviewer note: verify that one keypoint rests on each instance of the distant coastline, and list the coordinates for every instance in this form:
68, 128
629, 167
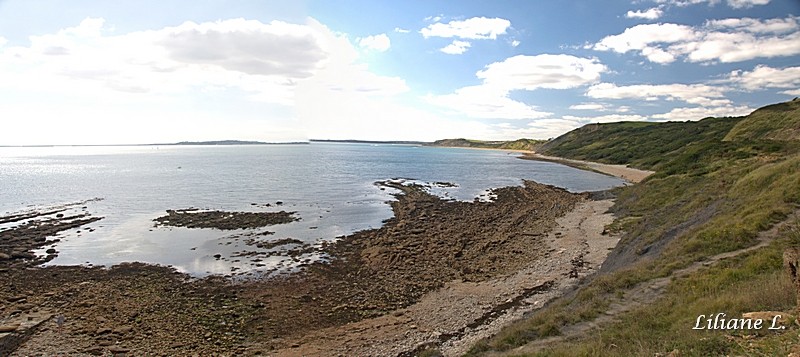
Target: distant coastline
181, 143
352, 141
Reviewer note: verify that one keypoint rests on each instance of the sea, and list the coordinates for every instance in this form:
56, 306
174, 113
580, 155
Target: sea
331, 187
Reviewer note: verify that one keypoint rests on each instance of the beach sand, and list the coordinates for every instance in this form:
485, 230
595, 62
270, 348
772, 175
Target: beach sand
622, 171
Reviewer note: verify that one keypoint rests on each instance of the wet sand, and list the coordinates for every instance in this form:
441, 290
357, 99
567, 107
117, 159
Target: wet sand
622, 171
440, 273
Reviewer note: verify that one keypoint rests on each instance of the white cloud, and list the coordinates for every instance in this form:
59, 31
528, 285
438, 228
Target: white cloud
588, 106
697, 113
515, 43
610, 118
736, 4
485, 102
642, 37
542, 71
379, 43
729, 40
457, 47
763, 77
747, 24
794, 92
476, 28
401, 30
436, 18
744, 4
553, 127
683, 3
3, 41
491, 98
600, 107
235, 78
690, 93
649, 14
247, 46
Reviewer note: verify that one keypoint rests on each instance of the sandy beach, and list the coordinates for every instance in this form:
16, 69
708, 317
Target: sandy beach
622, 171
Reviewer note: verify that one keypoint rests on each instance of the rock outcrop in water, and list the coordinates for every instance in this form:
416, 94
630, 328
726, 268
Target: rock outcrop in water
190, 218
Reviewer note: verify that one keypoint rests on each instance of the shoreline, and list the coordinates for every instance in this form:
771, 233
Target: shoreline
408, 272
439, 273
621, 171
624, 172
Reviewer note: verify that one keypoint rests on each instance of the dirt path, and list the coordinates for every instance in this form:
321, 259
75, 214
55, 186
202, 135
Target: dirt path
646, 293
622, 171
457, 315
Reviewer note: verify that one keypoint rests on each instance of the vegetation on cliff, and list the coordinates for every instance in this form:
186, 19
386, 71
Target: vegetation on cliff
519, 144
720, 184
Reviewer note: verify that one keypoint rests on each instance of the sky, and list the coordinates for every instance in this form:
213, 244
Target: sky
127, 72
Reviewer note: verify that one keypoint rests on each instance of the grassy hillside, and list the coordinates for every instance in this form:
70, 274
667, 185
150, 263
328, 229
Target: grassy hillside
519, 144
776, 122
719, 183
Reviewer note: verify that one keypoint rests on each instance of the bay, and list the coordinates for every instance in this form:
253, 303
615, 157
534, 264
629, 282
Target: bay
331, 186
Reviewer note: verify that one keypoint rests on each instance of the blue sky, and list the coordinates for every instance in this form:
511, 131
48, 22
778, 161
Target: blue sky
101, 72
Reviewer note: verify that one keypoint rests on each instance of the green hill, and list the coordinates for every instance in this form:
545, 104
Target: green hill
519, 144
720, 184
776, 122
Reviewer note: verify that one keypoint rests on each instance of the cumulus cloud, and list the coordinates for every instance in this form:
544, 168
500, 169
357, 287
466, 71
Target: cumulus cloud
225, 79
401, 30
485, 102
552, 127
728, 40
763, 77
542, 71
746, 24
457, 47
379, 43
794, 92
476, 28
736, 4
701, 94
745, 4
649, 14
491, 98
588, 106
247, 46
697, 113
610, 118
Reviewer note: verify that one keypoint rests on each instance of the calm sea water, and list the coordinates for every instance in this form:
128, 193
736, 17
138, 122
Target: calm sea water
331, 186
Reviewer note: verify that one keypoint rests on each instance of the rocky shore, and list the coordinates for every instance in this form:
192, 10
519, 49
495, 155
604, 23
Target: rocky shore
387, 288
